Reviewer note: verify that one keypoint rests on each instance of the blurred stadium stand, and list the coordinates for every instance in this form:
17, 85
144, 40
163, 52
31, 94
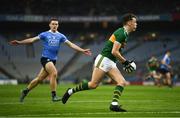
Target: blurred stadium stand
88, 25
90, 7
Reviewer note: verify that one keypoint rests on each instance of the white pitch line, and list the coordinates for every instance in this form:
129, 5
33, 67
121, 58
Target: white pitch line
101, 101
103, 113
82, 101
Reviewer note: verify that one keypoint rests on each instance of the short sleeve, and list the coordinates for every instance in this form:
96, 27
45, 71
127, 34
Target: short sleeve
120, 36
41, 36
64, 38
164, 58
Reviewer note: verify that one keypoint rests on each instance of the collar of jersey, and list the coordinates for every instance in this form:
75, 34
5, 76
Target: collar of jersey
53, 32
125, 31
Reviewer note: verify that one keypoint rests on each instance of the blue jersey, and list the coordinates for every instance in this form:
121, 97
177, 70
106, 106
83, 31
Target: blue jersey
51, 43
167, 61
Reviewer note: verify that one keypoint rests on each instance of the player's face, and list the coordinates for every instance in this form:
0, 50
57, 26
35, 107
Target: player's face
53, 25
133, 24
168, 53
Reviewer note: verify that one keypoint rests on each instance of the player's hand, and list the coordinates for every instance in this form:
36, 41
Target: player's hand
128, 67
14, 42
87, 52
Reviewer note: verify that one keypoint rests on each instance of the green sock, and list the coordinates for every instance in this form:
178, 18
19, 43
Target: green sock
82, 86
117, 93
26, 91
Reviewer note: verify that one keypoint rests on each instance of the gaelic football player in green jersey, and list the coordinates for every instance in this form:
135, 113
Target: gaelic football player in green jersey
153, 66
105, 63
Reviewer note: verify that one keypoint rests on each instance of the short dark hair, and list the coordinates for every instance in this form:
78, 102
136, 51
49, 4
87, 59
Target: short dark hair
127, 17
53, 19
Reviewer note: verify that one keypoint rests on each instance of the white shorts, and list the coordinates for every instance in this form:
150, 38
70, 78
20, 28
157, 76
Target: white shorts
104, 63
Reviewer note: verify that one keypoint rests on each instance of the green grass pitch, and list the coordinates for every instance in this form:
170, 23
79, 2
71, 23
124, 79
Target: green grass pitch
140, 101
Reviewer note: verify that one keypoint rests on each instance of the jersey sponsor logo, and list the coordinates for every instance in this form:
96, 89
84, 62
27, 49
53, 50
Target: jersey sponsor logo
112, 38
53, 42
49, 37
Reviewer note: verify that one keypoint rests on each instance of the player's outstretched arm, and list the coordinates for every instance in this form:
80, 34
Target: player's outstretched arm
77, 48
25, 41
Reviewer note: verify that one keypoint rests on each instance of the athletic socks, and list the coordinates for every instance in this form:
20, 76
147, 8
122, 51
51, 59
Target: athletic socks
26, 91
117, 93
81, 87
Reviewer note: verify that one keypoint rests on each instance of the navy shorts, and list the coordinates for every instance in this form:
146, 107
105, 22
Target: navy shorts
45, 60
163, 70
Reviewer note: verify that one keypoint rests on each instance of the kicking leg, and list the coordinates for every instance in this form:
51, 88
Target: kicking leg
96, 78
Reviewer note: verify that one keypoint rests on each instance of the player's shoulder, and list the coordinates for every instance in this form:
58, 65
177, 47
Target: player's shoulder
44, 33
165, 56
61, 34
119, 30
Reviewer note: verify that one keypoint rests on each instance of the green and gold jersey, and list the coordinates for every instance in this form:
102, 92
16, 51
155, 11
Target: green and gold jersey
152, 68
152, 64
120, 35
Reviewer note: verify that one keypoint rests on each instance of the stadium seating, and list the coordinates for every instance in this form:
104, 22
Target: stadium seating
23, 67
90, 7
139, 48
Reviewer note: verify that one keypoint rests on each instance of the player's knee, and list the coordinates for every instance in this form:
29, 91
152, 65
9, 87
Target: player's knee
54, 75
39, 80
122, 83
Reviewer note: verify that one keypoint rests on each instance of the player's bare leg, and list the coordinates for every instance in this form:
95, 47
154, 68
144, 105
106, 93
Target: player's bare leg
168, 79
115, 74
96, 78
51, 69
157, 77
41, 76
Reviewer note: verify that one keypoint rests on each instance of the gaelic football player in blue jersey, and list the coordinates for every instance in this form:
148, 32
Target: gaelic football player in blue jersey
165, 69
51, 41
